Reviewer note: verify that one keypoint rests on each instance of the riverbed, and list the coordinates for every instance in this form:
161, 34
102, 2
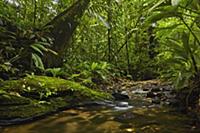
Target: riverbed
139, 114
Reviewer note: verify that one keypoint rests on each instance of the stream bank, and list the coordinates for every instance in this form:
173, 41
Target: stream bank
138, 114
148, 109
36, 96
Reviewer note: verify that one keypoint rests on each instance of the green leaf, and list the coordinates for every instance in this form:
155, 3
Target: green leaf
52, 51
40, 46
75, 75
2, 92
43, 39
185, 40
170, 12
45, 43
104, 65
36, 49
94, 65
156, 5
37, 61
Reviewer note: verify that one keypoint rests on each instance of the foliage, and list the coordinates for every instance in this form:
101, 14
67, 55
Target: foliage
21, 47
143, 39
87, 73
178, 32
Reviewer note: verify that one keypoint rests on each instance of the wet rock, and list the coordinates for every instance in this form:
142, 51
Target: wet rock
122, 104
139, 92
4, 76
151, 94
173, 102
124, 93
156, 89
164, 98
160, 94
156, 100
119, 96
145, 89
97, 103
122, 108
167, 88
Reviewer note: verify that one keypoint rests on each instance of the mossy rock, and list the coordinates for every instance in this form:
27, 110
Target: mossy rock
44, 86
7, 99
35, 96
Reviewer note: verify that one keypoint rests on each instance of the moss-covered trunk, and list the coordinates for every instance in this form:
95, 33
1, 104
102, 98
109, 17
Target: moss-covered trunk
62, 28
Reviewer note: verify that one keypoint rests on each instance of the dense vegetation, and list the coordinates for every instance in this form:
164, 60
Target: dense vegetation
87, 41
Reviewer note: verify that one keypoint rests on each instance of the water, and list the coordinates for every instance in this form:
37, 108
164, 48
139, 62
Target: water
109, 119
138, 115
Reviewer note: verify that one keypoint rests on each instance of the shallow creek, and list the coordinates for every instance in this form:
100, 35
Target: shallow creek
137, 115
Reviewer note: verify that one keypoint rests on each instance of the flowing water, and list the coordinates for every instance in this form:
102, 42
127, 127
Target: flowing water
138, 115
110, 119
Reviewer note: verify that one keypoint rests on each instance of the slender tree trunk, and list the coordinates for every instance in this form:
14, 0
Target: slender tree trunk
109, 31
126, 38
61, 30
34, 12
127, 51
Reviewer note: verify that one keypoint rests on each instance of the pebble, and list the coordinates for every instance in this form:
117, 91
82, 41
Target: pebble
122, 104
122, 108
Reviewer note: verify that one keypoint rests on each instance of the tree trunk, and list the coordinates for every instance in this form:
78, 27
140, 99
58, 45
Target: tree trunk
61, 30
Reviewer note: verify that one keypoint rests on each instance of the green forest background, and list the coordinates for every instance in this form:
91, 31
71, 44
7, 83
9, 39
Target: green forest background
136, 39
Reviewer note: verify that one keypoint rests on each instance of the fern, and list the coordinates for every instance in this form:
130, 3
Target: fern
37, 61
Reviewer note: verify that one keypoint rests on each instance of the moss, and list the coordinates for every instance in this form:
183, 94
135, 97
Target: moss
32, 110
42, 85
35, 96
8, 99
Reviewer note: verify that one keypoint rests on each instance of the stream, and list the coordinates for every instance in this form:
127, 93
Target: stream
139, 114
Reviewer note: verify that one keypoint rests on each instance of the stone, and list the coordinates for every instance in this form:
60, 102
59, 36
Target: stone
151, 94
156, 100
156, 89
119, 96
122, 104
145, 89
159, 94
53, 95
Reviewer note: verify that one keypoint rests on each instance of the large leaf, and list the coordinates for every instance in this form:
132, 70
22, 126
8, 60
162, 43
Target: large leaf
37, 61
40, 46
163, 13
177, 48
